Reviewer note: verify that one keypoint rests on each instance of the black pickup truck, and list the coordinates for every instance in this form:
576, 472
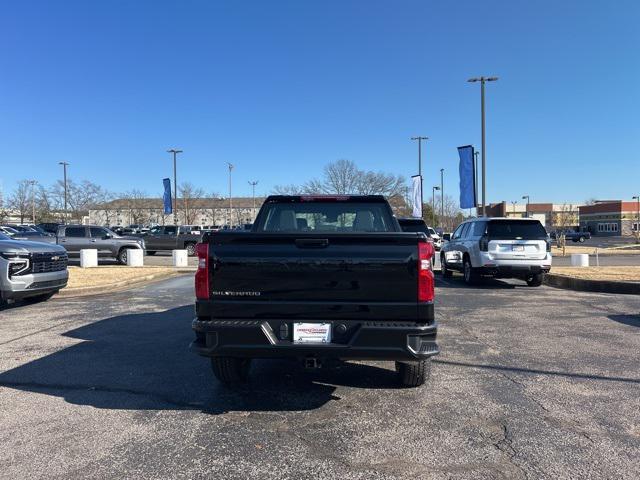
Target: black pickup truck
317, 278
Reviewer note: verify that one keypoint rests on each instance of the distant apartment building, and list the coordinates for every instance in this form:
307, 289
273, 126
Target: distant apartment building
610, 218
551, 215
201, 211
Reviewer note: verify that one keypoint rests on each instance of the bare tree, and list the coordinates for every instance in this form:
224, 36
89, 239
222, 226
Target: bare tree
565, 218
80, 197
344, 177
136, 202
288, 189
20, 199
452, 213
192, 204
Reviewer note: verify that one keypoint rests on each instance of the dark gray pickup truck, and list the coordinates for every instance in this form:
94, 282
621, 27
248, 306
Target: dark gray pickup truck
170, 237
317, 278
77, 237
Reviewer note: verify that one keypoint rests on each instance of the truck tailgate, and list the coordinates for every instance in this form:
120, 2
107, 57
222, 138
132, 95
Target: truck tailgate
319, 276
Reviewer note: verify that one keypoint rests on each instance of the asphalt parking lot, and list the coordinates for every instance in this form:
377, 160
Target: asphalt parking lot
531, 383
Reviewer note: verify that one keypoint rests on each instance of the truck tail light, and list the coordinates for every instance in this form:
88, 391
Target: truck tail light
425, 273
483, 244
202, 273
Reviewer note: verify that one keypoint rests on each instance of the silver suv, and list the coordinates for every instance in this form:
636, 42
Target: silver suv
498, 247
31, 270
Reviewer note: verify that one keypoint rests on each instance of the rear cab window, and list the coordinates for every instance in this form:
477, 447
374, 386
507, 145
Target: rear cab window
75, 232
516, 230
319, 214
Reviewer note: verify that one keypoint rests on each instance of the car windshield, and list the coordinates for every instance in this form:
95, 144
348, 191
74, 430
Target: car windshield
516, 229
326, 216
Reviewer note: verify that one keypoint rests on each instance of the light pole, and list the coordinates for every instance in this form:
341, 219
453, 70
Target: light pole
175, 187
475, 168
637, 197
33, 200
419, 139
64, 168
253, 196
514, 207
433, 205
482, 81
441, 197
526, 197
230, 165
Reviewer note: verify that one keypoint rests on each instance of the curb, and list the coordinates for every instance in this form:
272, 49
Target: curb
583, 285
120, 286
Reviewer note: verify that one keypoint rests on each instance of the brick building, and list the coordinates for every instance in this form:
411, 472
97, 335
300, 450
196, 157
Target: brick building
610, 218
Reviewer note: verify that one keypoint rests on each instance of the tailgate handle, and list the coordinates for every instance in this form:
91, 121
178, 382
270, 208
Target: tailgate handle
312, 242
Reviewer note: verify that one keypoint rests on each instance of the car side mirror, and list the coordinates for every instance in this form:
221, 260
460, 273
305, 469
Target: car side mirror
446, 236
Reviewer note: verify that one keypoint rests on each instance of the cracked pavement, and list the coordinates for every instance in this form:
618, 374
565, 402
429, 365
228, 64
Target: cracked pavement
531, 383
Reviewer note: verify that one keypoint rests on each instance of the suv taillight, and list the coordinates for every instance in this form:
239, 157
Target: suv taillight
425, 274
483, 244
202, 274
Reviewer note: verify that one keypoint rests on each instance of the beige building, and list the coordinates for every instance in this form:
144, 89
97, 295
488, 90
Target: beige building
551, 215
201, 211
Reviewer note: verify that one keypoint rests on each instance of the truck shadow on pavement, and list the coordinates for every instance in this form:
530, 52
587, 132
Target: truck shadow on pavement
488, 283
631, 320
142, 362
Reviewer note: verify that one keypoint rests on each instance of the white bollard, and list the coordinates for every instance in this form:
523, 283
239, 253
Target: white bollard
134, 258
180, 258
579, 259
88, 258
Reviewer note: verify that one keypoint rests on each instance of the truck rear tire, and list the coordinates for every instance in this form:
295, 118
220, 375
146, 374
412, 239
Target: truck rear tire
470, 276
413, 374
151, 252
231, 370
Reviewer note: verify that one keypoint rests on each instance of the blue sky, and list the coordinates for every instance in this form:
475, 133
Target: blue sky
280, 88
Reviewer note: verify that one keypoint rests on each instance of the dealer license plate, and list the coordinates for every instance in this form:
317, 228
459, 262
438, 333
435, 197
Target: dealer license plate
517, 248
311, 333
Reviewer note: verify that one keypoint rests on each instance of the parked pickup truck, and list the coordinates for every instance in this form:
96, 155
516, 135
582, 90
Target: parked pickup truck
571, 235
167, 238
77, 237
317, 278
30, 271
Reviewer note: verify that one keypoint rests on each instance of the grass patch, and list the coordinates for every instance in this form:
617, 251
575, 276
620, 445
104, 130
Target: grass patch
109, 276
615, 274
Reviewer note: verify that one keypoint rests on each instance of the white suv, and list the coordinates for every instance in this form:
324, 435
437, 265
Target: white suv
498, 247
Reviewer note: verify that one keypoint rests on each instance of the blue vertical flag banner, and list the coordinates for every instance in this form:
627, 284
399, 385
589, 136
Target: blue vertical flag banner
416, 196
166, 196
467, 178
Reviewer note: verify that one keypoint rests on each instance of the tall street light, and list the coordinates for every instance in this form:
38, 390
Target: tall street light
482, 81
513, 203
475, 168
526, 197
175, 187
253, 196
419, 139
433, 206
637, 197
230, 165
441, 197
33, 200
64, 167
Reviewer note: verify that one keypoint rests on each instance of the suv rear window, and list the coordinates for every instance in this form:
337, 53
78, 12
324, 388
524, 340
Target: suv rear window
516, 229
338, 217
417, 225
